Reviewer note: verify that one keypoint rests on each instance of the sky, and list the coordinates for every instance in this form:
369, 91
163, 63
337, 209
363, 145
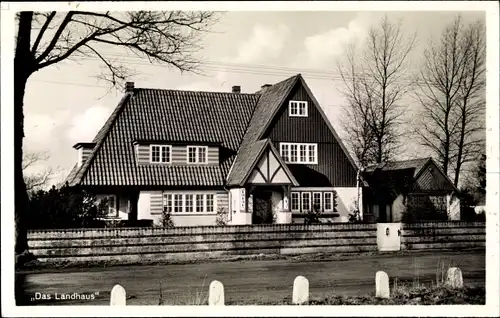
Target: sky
65, 103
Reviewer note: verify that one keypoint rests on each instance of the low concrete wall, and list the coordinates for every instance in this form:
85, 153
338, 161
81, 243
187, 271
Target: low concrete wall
442, 235
179, 243
129, 244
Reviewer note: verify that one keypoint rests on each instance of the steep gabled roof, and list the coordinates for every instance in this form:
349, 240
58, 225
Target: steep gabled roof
167, 115
271, 100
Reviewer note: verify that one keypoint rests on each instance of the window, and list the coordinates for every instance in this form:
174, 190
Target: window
197, 154
317, 201
210, 203
189, 202
327, 203
111, 202
306, 201
312, 153
284, 152
297, 108
167, 202
295, 201
191, 154
303, 153
160, 153
199, 203
177, 203
299, 153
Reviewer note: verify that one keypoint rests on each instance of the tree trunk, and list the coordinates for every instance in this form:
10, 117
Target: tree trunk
23, 68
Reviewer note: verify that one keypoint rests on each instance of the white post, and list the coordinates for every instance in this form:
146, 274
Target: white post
216, 294
382, 285
454, 278
300, 290
118, 296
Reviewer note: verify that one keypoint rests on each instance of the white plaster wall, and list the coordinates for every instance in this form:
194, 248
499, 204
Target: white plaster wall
144, 206
346, 198
398, 208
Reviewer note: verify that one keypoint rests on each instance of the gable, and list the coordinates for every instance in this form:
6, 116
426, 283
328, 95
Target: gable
270, 171
431, 178
312, 128
335, 166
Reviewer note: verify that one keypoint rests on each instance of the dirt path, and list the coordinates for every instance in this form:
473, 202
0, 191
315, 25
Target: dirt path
245, 282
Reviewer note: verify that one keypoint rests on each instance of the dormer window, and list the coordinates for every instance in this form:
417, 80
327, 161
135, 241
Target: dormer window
297, 108
197, 154
160, 153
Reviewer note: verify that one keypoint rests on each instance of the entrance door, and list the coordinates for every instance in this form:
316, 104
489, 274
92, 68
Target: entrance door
262, 207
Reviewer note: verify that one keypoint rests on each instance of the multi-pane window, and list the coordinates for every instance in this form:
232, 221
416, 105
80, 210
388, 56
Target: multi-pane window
160, 153
285, 148
327, 203
295, 201
306, 201
111, 203
311, 201
192, 154
199, 202
299, 153
303, 153
312, 155
177, 203
167, 202
317, 201
197, 154
189, 202
297, 108
210, 202
293, 152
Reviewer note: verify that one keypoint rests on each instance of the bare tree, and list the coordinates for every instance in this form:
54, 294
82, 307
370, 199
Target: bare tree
471, 103
43, 39
451, 95
374, 88
40, 179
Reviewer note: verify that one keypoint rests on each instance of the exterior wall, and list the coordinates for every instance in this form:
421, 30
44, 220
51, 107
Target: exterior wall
333, 168
432, 179
346, 198
241, 206
398, 208
83, 154
453, 208
179, 155
150, 207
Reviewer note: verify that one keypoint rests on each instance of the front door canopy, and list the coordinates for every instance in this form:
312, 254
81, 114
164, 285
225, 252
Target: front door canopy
270, 169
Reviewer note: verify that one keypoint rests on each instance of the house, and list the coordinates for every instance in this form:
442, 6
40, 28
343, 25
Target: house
264, 157
417, 186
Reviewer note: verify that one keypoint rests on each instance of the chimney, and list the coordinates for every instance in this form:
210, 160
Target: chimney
236, 89
265, 86
129, 87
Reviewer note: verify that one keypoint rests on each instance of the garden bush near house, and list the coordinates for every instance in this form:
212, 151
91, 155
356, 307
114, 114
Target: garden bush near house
166, 218
222, 217
65, 207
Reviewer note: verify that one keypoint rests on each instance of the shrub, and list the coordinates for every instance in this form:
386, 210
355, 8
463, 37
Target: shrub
66, 207
166, 218
222, 216
354, 215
